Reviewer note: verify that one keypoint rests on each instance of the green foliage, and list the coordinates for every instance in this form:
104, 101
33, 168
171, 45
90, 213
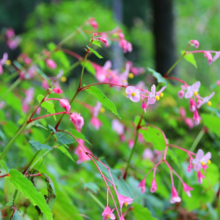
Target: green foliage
66, 152
158, 76
190, 58
100, 96
142, 213
40, 146
95, 52
48, 105
63, 139
25, 186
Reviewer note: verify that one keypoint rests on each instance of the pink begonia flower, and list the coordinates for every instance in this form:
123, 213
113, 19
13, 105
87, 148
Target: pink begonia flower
10, 33
31, 72
200, 177
58, 90
201, 160
124, 200
45, 84
187, 189
118, 127
13, 42
174, 196
189, 167
123, 78
192, 90
96, 123
96, 109
101, 72
2, 62
195, 43
93, 23
142, 185
144, 106
189, 122
153, 94
122, 137
153, 186
205, 100
80, 153
131, 143
181, 94
208, 55
196, 117
182, 112
192, 105
125, 45
102, 39
133, 94
148, 154
107, 213
64, 103
217, 55
27, 60
77, 120
51, 64
218, 82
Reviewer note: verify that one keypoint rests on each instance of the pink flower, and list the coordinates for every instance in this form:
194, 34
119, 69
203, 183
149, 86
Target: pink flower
77, 120
123, 200
192, 90
200, 177
182, 112
80, 153
27, 60
205, 100
153, 95
125, 45
103, 40
96, 109
192, 105
57, 90
133, 94
122, 138
65, 104
187, 189
142, 185
174, 196
2, 62
13, 42
195, 43
93, 23
208, 55
196, 117
96, 123
144, 106
45, 84
121, 35
218, 82
201, 160
217, 54
189, 167
51, 64
107, 213
131, 143
153, 186
181, 94
118, 127
10, 33
189, 122
148, 154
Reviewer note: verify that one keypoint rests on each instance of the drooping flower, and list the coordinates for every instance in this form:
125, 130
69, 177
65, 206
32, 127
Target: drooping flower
189, 122
187, 189
96, 123
142, 185
124, 200
153, 186
64, 103
174, 196
57, 90
77, 120
196, 117
51, 64
208, 55
201, 160
107, 213
192, 90
133, 94
118, 127
80, 153
200, 177
182, 112
45, 84
195, 43
181, 94
192, 105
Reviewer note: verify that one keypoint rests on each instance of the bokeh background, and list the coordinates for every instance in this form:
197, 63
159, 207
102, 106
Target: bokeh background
158, 30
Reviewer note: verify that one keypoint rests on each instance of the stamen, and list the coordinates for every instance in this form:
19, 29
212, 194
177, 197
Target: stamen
161, 94
63, 79
209, 103
209, 161
102, 110
157, 97
195, 93
202, 163
8, 62
133, 94
108, 216
126, 204
131, 75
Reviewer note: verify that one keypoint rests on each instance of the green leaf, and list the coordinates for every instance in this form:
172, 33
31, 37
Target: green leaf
39, 125
10, 128
96, 42
48, 105
100, 96
66, 152
27, 188
212, 122
3, 165
190, 58
79, 135
89, 67
63, 139
40, 146
158, 76
142, 213
173, 157
154, 136
91, 186
137, 119
95, 52
2, 135
52, 129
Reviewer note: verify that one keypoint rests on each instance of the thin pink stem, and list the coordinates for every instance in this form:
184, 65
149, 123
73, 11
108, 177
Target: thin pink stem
168, 164
171, 177
179, 80
153, 168
52, 99
165, 153
44, 116
189, 152
201, 51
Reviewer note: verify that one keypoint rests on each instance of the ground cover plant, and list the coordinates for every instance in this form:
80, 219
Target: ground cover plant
92, 146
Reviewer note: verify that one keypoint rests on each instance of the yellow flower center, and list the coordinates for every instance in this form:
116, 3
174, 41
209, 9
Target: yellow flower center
131, 75
202, 163
157, 97
63, 79
108, 216
195, 93
133, 94
209, 103
161, 94
126, 204
8, 62
102, 110
124, 80
209, 161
